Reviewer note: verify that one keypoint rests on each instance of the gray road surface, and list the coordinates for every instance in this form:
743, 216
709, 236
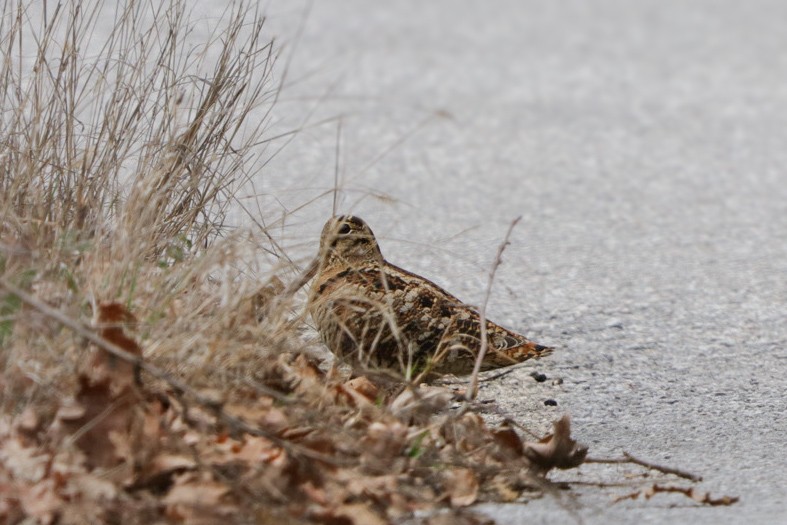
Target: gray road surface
645, 146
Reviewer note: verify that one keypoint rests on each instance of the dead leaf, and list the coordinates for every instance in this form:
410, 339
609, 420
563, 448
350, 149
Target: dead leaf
380, 488
255, 450
306, 368
10, 512
98, 420
154, 420
557, 450
41, 501
196, 500
462, 486
28, 421
91, 487
315, 494
168, 462
508, 441
112, 318
357, 514
158, 474
101, 414
196, 492
501, 486
306, 376
418, 405
382, 445
259, 412
70, 410
467, 434
25, 463
360, 390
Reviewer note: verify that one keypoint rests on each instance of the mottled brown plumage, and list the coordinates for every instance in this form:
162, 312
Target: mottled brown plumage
377, 315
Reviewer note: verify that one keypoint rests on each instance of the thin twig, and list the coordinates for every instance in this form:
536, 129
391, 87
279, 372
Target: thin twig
628, 458
690, 492
504, 372
336, 167
472, 391
235, 423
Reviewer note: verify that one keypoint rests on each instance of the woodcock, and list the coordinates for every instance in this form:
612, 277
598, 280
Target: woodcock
374, 315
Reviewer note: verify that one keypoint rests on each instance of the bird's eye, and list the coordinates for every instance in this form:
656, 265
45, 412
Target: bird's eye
345, 229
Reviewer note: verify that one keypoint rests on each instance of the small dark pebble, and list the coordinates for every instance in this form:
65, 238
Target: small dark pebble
538, 376
550, 403
557, 381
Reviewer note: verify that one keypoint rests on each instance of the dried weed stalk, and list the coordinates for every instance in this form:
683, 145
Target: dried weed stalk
137, 149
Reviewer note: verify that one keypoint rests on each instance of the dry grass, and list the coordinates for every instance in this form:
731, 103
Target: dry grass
138, 148
121, 151
119, 165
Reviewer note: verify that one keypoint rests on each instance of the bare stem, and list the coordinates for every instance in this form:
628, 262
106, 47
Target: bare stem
628, 458
472, 392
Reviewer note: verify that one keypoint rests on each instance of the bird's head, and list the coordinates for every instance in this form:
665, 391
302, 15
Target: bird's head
348, 240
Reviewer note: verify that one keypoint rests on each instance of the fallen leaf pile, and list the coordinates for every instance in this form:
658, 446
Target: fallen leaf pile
302, 446
320, 451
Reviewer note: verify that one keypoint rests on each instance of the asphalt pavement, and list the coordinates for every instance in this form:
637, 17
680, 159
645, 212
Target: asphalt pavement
644, 144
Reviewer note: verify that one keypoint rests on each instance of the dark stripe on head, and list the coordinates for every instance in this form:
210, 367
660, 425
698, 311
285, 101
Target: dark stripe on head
355, 221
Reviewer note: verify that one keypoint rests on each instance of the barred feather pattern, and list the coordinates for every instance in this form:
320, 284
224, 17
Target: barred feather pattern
374, 314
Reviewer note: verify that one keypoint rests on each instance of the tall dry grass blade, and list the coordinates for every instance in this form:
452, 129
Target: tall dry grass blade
146, 110
472, 391
336, 166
